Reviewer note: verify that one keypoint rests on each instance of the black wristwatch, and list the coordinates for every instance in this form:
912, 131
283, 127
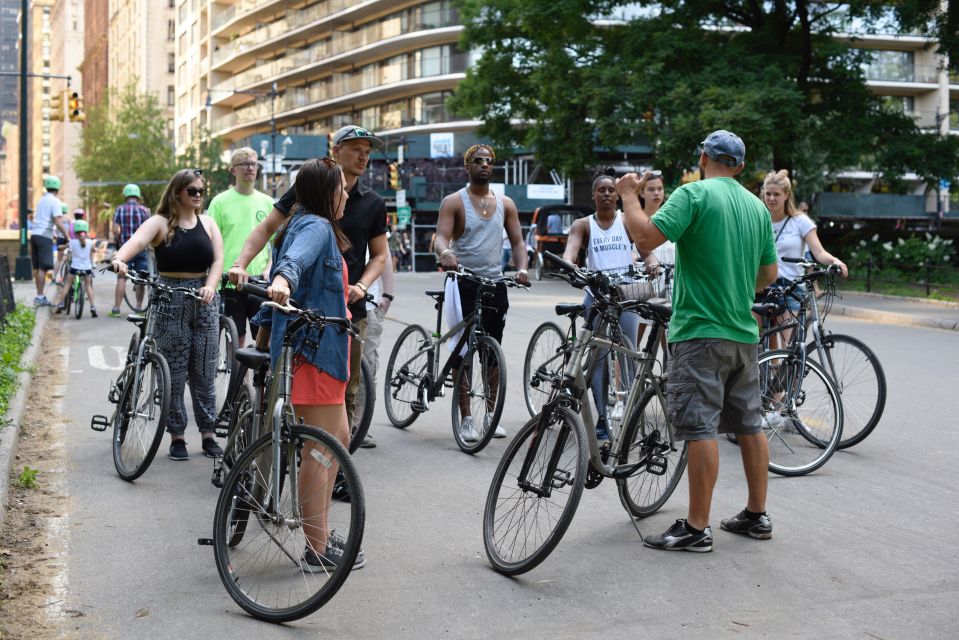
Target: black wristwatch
388, 296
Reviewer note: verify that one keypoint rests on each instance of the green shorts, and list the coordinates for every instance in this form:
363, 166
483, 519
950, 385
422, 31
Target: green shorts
713, 387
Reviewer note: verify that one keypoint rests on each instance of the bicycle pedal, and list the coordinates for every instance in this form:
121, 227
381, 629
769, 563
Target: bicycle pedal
221, 431
656, 465
593, 478
99, 423
418, 407
114, 394
205, 542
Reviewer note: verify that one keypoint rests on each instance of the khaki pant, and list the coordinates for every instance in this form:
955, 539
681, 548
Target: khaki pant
356, 352
371, 347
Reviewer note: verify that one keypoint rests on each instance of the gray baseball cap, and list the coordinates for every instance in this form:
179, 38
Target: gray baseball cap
353, 132
725, 147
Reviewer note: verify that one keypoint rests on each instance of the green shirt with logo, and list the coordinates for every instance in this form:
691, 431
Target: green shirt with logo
722, 234
237, 215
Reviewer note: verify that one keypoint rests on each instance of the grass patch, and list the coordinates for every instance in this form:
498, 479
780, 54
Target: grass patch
15, 335
28, 478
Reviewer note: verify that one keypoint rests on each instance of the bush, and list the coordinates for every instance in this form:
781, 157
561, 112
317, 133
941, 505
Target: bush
906, 258
15, 335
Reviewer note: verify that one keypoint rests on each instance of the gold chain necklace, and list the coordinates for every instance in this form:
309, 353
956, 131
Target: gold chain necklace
481, 208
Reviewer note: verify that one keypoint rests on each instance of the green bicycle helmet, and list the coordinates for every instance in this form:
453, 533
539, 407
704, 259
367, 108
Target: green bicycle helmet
81, 225
132, 191
63, 208
51, 183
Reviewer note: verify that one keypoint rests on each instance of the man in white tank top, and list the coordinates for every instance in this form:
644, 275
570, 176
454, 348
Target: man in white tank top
469, 232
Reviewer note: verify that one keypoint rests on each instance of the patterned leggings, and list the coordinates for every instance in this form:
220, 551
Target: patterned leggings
187, 336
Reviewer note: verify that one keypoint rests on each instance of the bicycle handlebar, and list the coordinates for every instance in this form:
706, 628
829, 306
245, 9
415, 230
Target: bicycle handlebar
143, 278
252, 289
469, 274
312, 317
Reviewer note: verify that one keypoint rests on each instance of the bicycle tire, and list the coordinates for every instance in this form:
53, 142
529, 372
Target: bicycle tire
647, 433
129, 296
542, 349
78, 307
363, 407
132, 456
278, 543
68, 297
476, 371
801, 438
573, 458
538, 267
861, 381
227, 340
63, 273
239, 434
406, 380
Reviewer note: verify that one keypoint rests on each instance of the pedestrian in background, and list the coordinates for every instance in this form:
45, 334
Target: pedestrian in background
127, 218
47, 217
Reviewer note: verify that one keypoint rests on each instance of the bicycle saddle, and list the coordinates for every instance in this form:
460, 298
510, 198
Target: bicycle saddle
569, 309
253, 359
438, 294
136, 319
765, 308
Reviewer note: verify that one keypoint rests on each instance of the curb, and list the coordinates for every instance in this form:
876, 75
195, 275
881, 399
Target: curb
11, 432
890, 317
884, 296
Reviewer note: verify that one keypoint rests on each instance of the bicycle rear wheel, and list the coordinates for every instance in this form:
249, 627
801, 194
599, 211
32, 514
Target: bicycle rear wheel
264, 568
225, 362
78, 307
802, 413
68, 296
130, 292
546, 356
405, 374
861, 382
661, 460
527, 513
364, 406
482, 379
141, 417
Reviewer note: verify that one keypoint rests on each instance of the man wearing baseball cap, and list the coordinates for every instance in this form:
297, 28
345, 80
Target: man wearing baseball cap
725, 252
363, 222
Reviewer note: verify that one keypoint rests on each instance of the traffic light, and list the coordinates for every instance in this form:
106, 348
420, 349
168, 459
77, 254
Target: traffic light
395, 176
56, 105
75, 108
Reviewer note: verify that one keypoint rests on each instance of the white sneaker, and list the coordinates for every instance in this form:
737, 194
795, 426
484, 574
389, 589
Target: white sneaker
500, 431
616, 413
774, 420
467, 430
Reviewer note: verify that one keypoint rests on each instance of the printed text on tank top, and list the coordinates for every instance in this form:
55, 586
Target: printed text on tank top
608, 248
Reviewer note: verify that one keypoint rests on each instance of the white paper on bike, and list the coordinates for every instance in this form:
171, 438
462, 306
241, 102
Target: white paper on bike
453, 312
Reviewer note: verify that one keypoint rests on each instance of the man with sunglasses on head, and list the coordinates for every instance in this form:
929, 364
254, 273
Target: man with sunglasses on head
127, 218
469, 232
363, 222
237, 211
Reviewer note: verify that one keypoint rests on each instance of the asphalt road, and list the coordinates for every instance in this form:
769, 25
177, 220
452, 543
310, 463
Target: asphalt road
861, 548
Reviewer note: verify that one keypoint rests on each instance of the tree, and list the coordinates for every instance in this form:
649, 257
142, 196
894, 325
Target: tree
580, 79
206, 152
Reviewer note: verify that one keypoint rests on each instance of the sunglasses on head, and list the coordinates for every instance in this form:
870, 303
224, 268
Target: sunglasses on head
479, 161
194, 192
328, 161
354, 133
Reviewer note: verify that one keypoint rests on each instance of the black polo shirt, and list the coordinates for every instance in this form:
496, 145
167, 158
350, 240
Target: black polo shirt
364, 218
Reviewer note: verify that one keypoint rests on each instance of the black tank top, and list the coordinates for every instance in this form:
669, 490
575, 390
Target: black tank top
189, 251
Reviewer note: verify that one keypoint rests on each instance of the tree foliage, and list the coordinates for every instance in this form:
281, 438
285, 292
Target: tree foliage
125, 140
583, 76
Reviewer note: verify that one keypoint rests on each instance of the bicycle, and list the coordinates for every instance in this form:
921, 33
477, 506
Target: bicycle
414, 377
852, 366
802, 409
76, 291
228, 340
557, 453
142, 390
267, 504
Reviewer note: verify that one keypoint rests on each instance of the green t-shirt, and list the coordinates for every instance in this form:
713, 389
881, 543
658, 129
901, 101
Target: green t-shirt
722, 234
237, 215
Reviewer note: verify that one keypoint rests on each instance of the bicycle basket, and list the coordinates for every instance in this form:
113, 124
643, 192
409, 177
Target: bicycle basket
630, 285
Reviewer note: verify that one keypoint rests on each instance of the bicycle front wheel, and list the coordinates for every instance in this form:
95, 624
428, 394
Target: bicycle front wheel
78, 307
660, 460
535, 491
225, 362
405, 376
68, 296
861, 382
141, 417
479, 383
363, 407
802, 413
288, 562
136, 296
546, 357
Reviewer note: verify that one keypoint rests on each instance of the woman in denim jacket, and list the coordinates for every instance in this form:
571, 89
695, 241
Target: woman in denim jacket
309, 267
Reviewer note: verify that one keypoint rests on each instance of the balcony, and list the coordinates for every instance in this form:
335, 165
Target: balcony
919, 73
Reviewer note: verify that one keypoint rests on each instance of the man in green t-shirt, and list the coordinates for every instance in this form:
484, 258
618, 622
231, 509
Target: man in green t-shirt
237, 211
725, 252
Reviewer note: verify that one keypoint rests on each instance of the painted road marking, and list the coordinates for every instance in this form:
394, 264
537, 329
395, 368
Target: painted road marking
100, 360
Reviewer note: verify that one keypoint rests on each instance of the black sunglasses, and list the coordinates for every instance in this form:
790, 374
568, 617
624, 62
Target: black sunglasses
194, 192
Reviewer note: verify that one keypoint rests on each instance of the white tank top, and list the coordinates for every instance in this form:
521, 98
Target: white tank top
608, 249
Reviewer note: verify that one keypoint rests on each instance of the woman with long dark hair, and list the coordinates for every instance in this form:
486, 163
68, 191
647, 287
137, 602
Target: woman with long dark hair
309, 267
189, 253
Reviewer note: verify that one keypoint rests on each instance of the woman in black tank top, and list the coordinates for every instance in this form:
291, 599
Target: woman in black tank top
189, 253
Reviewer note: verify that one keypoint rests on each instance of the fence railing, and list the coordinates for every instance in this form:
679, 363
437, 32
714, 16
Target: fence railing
922, 278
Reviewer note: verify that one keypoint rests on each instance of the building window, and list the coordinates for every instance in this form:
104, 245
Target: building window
954, 118
171, 29
170, 96
891, 66
171, 63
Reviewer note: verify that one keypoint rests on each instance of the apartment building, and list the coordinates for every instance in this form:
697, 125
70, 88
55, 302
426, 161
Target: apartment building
66, 50
96, 58
9, 109
40, 134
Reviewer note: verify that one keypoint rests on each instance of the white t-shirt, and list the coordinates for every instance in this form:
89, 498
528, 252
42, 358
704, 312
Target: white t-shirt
790, 235
48, 208
81, 260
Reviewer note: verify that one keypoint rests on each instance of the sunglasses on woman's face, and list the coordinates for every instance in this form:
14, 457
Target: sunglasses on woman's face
194, 192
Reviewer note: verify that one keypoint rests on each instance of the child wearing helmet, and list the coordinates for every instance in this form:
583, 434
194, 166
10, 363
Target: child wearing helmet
61, 242
81, 265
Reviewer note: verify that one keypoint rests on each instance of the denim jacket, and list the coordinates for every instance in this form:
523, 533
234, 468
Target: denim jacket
309, 259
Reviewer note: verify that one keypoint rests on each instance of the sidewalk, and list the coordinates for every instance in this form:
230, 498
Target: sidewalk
914, 312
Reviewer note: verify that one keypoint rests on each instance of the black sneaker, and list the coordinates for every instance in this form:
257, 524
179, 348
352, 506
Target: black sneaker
178, 450
93, 312
211, 449
679, 538
761, 528
314, 562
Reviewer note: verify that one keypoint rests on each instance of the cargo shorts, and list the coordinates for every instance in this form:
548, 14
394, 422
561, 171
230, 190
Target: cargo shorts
713, 387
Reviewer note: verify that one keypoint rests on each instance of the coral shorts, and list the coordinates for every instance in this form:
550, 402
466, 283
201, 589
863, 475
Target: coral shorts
313, 387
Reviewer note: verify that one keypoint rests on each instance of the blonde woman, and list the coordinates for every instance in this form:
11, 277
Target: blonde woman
189, 253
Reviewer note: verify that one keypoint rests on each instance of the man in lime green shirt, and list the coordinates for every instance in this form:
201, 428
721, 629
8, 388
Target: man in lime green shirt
237, 211
725, 252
